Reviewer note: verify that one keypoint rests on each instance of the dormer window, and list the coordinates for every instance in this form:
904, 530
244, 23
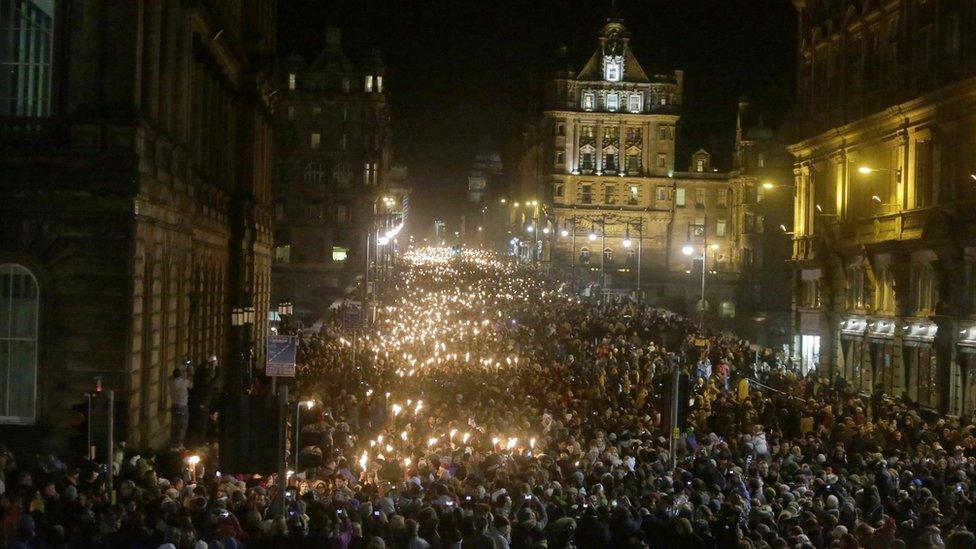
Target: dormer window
613, 68
589, 100
613, 101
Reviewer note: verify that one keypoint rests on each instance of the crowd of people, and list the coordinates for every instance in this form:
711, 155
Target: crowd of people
489, 407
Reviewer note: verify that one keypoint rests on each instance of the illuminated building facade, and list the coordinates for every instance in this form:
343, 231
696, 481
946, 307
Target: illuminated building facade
602, 201
135, 206
884, 243
334, 146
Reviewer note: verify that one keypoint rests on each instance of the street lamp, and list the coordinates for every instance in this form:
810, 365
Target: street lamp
592, 236
530, 228
627, 243
688, 249
564, 233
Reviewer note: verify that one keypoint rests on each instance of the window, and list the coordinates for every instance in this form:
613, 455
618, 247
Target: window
369, 83
588, 101
315, 140
584, 255
923, 287
558, 190
342, 213
723, 198
610, 161
291, 81
761, 160
316, 110
586, 193
613, 101
345, 114
279, 211
27, 35
346, 85
923, 173
339, 253
560, 129
679, 197
855, 287
661, 192
291, 113
610, 133
342, 173
662, 133
283, 253
612, 69
19, 304
608, 256
587, 131
633, 163
633, 197
699, 165
720, 227
586, 161
662, 160
699, 197
560, 157
634, 103
343, 142
379, 84
313, 173
369, 173
609, 194
727, 309
760, 193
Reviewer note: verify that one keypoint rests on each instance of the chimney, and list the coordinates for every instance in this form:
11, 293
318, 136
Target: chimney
333, 38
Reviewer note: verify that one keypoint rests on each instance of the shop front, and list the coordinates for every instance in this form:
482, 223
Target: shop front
851, 360
885, 375
919, 362
963, 385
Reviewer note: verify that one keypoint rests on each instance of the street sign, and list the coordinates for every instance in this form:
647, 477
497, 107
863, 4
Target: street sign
282, 351
353, 317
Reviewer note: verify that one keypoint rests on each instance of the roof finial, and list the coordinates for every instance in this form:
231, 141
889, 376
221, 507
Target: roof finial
614, 12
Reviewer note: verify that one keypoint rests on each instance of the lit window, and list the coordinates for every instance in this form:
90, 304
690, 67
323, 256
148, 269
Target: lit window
586, 194
19, 303
369, 173
342, 173
634, 195
316, 110
679, 197
723, 198
558, 190
635, 103
26, 57
283, 253
662, 160
588, 101
699, 197
613, 101
612, 69
316, 140
720, 228
761, 161
339, 253
291, 81
699, 165
379, 84
369, 83
727, 309
760, 193
661, 192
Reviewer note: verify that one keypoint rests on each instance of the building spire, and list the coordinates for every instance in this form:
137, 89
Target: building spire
614, 11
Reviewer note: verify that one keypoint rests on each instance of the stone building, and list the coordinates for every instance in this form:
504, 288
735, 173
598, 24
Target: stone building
135, 154
885, 229
603, 200
334, 146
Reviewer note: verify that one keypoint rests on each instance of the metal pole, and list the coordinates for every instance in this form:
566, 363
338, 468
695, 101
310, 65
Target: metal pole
640, 245
89, 447
603, 258
675, 377
298, 432
110, 445
282, 472
366, 270
701, 321
572, 259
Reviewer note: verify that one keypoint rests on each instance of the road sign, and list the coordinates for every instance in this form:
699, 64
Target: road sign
282, 351
353, 317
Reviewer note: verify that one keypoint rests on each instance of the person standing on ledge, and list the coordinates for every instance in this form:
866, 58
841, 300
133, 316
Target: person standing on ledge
179, 394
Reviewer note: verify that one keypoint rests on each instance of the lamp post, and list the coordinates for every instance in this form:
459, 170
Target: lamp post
240, 319
640, 240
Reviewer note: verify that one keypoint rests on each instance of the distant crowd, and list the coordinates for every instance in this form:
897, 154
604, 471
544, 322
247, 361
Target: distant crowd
487, 407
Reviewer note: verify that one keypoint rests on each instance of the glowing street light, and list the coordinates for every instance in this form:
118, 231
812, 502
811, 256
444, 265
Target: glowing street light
687, 249
564, 233
627, 243
530, 228
592, 236
545, 230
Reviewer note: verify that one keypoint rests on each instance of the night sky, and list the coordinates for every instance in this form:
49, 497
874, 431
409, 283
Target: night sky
459, 71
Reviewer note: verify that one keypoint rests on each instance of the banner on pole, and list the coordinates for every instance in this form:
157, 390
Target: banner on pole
282, 353
353, 317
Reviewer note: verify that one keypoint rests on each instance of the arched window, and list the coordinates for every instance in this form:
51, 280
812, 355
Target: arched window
584, 256
19, 304
314, 173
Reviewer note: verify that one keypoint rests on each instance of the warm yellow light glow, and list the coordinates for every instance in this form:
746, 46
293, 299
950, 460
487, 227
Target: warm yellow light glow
864, 170
768, 185
193, 460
